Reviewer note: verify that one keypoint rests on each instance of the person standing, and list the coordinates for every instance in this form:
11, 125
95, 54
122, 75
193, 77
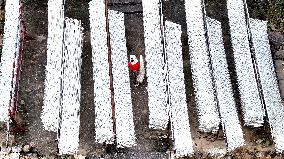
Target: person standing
134, 66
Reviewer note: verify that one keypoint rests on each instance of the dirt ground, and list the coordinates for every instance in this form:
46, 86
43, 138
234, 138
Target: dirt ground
32, 85
258, 141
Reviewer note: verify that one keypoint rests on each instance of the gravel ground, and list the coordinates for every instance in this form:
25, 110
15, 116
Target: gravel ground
32, 80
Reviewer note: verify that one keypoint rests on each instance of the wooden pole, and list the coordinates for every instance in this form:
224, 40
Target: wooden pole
110, 70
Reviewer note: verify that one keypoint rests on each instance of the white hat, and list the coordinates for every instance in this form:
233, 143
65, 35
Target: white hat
135, 60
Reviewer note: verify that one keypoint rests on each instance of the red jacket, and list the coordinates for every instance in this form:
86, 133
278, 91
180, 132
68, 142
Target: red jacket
135, 67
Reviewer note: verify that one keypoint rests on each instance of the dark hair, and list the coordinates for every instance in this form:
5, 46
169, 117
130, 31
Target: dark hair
134, 53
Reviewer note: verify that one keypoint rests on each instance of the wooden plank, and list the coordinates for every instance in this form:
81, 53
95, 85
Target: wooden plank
201, 74
227, 106
252, 107
71, 88
10, 54
272, 99
125, 134
51, 102
158, 117
178, 106
102, 99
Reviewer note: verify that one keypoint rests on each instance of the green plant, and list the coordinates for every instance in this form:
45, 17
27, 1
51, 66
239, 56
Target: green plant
276, 13
279, 7
2, 24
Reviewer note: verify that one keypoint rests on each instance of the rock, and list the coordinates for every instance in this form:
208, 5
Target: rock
71, 157
26, 148
276, 38
273, 154
205, 155
279, 69
16, 149
13, 155
281, 87
279, 64
40, 38
267, 143
279, 54
272, 27
49, 157
2, 126
79, 157
2, 18
22, 102
29, 157
259, 141
198, 155
5, 150
2, 2
260, 154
